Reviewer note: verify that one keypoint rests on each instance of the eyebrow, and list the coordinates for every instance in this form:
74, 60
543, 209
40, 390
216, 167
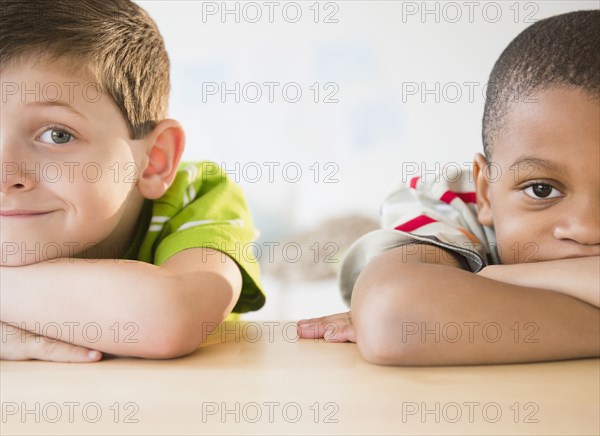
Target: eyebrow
534, 161
58, 103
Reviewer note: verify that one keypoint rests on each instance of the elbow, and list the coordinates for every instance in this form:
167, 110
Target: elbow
376, 339
374, 348
181, 335
172, 341
379, 316
165, 340
188, 316
379, 346
178, 332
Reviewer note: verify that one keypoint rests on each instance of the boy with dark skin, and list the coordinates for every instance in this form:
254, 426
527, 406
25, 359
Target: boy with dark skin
546, 150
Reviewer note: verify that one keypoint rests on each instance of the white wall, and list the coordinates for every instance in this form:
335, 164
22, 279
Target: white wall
377, 55
372, 54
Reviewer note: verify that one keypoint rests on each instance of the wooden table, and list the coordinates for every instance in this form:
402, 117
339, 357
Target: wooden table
258, 378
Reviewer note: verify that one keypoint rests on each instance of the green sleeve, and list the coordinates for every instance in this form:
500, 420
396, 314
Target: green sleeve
204, 208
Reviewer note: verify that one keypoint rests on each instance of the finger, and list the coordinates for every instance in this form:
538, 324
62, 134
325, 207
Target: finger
322, 319
42, 348
318, 329
345, 333
315, 327
309, 331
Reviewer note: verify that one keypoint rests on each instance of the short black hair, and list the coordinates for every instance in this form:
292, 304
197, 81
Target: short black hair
560, 51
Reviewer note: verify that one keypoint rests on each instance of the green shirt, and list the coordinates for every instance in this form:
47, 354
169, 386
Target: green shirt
202, 208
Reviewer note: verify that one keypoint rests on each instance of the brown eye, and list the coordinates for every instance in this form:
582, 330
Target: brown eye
542, 191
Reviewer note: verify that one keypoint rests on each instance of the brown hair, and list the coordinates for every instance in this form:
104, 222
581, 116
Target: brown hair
116, 41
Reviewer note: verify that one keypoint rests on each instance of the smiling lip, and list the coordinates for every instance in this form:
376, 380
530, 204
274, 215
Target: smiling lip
19, 213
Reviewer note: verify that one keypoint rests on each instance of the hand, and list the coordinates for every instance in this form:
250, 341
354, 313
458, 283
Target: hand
333, 328
19, 344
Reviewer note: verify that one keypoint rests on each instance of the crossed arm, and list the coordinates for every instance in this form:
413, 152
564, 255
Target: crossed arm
407, 312
115, 306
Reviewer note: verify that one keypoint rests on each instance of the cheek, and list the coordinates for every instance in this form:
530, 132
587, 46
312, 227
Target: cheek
96, 199
103, 198
518, 238
106, 181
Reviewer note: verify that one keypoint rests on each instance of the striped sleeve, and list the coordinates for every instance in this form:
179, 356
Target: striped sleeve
439, 210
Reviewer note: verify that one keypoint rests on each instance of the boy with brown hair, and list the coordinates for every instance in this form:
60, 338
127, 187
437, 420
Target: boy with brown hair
108, 244
526, 221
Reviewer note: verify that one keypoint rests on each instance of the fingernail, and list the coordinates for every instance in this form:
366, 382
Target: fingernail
303, 327
94, 355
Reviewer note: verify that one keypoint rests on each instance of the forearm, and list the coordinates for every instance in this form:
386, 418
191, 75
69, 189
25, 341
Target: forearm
421, 314
118, 307
578, 277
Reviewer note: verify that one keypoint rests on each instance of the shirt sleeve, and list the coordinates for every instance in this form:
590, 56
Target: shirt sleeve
440, 210
205, 208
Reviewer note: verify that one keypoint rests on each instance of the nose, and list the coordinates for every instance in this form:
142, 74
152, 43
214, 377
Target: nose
14, 177
582, 223
15, 173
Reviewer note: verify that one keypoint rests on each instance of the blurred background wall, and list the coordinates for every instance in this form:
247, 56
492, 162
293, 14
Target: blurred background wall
319, 108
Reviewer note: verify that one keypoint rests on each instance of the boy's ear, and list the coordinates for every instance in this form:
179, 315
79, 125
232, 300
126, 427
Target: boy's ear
167, 141
482, 186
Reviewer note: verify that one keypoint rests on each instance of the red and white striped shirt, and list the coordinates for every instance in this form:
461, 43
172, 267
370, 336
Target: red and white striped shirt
440, 210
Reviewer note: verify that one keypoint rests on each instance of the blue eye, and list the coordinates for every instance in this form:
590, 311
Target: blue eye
56, 136
541, 191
